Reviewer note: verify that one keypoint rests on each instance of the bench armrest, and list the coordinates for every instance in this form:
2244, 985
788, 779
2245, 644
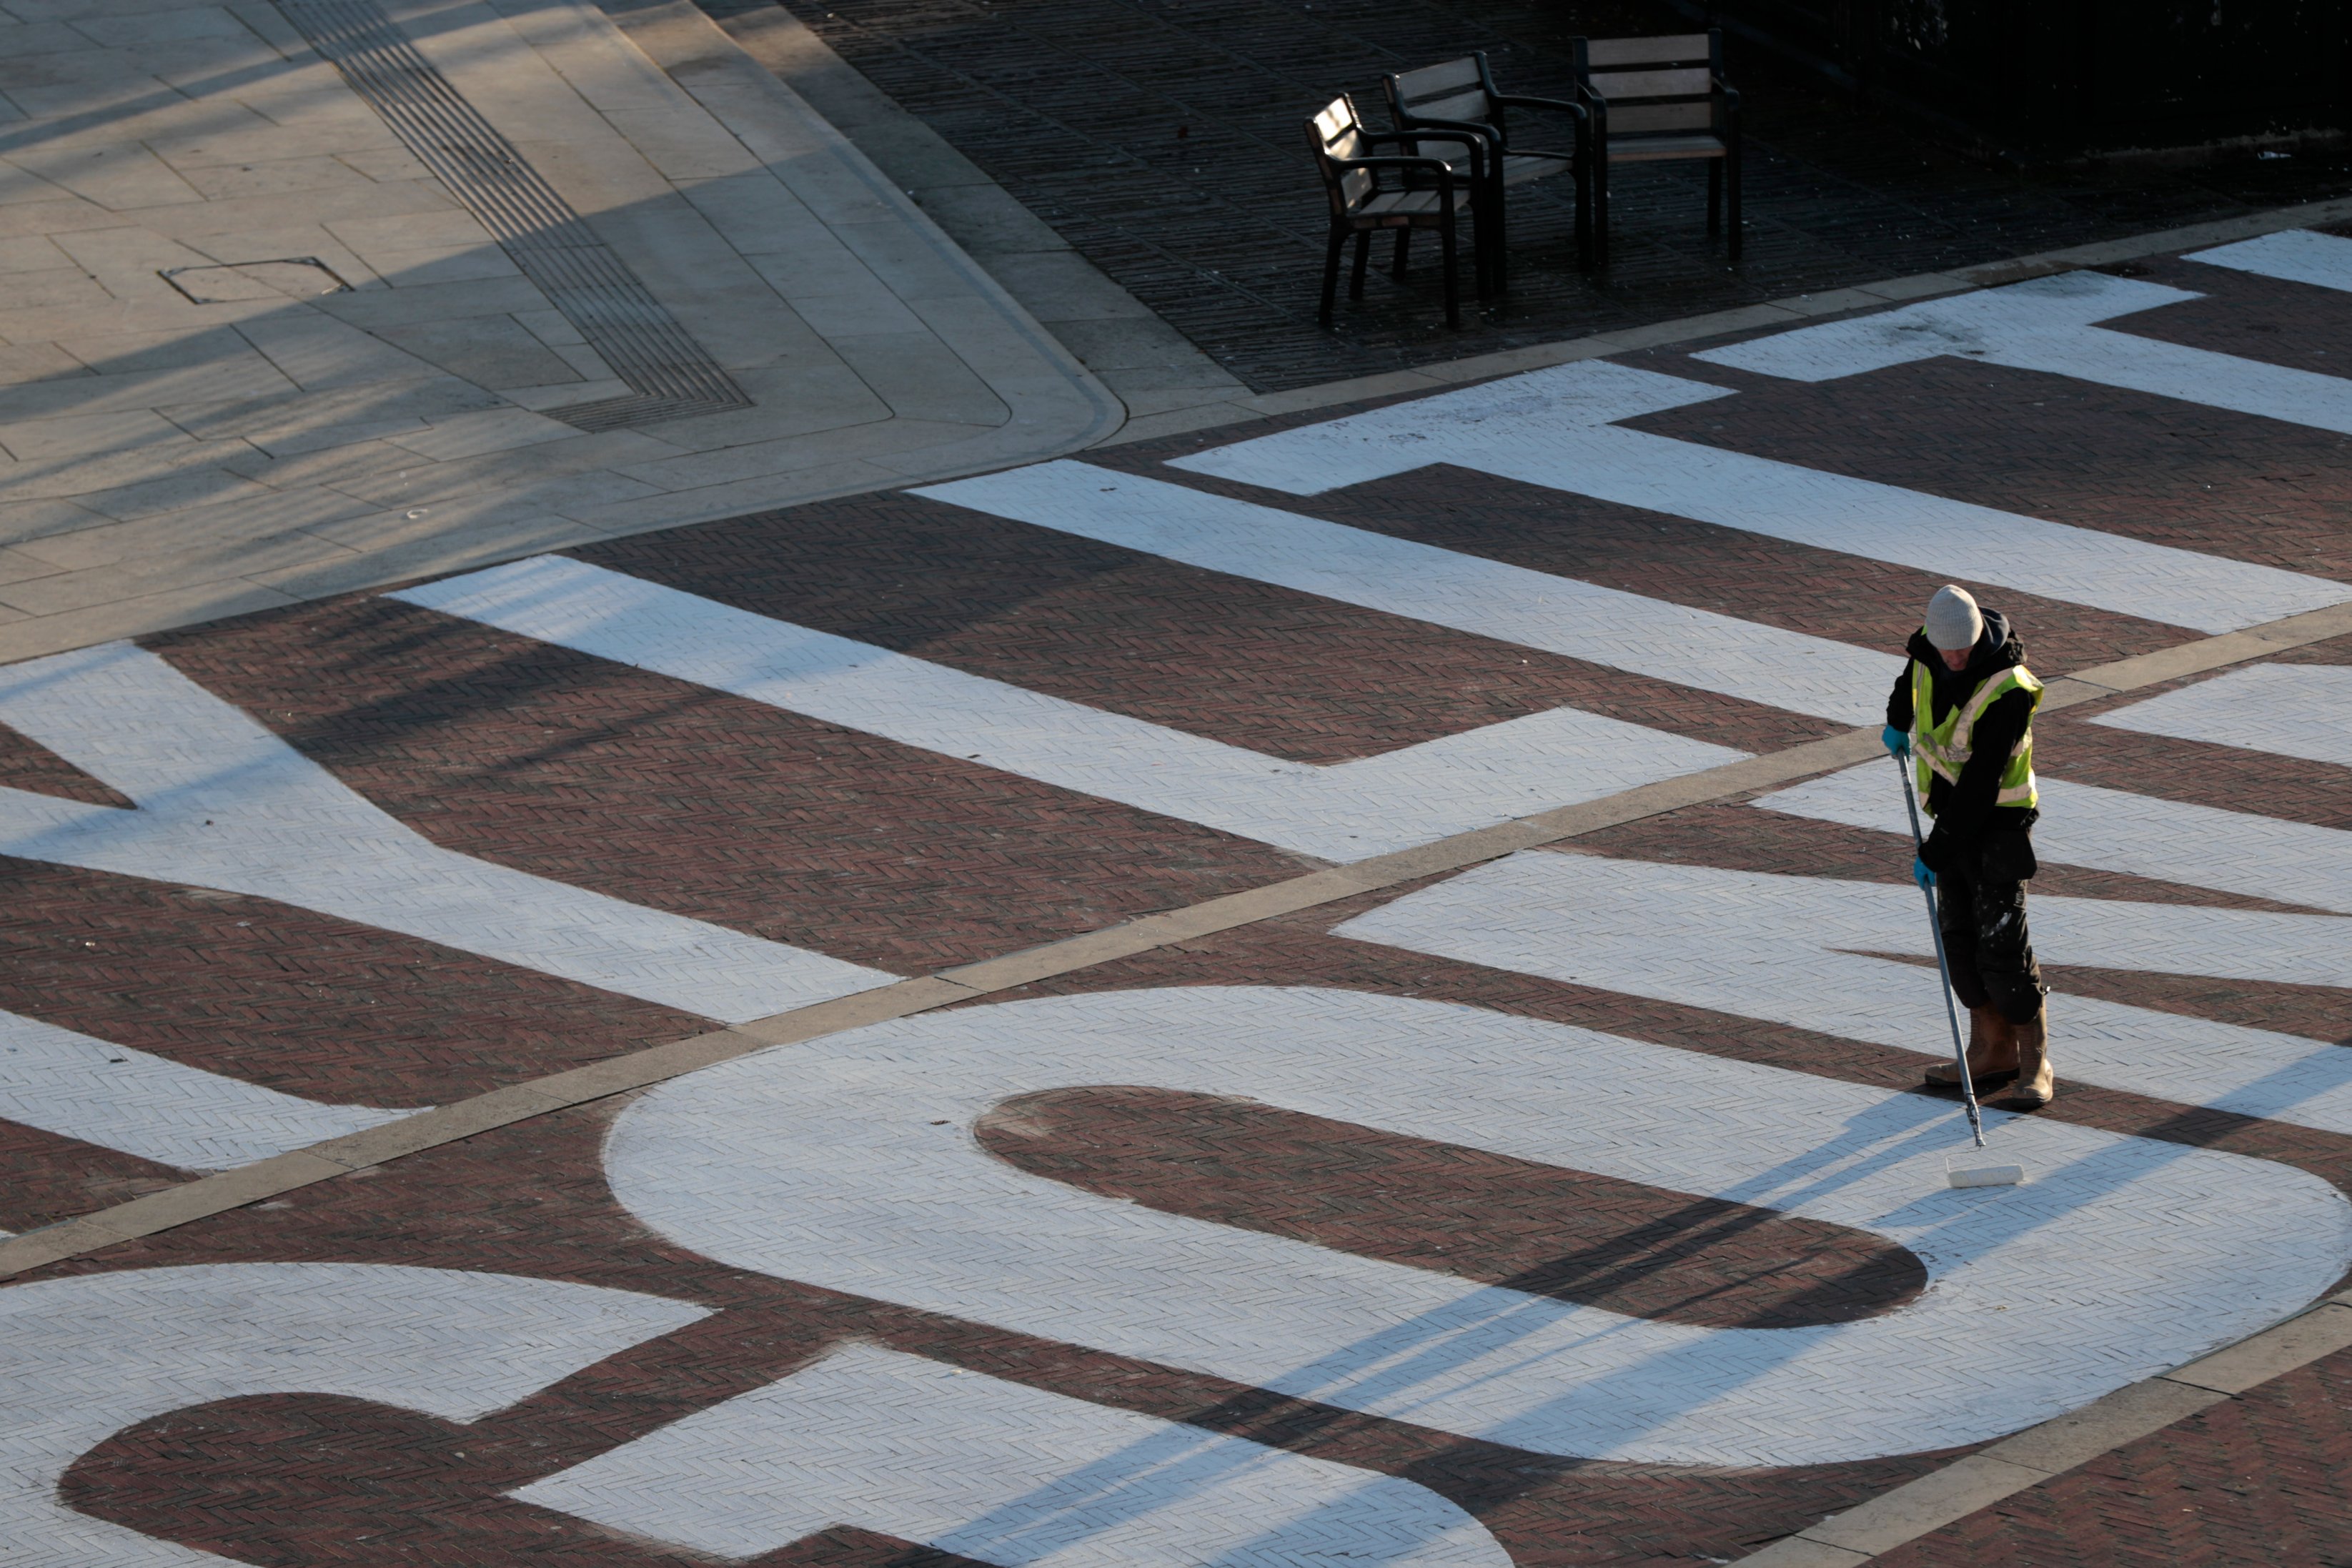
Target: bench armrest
1561, 105
1476, 138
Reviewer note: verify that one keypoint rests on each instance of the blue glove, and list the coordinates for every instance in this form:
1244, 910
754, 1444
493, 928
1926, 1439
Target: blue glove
1896, 741
1921, 874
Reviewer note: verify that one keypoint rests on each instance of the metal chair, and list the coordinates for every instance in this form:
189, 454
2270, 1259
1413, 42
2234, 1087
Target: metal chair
1461, 95
1657, 99
1368, 192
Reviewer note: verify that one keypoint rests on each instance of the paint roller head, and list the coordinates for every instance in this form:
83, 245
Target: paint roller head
1960, 1175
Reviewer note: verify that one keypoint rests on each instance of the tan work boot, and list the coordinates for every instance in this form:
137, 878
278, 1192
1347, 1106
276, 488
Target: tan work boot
2036, 1085
1993, 1053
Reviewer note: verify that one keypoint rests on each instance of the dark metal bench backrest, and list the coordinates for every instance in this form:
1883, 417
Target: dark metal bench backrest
1456, 90
1665, 83
1335, 131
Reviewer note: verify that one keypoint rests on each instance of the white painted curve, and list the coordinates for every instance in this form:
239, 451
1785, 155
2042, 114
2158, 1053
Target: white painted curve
1000, 1472
820, 1163
221, 802
82, 1358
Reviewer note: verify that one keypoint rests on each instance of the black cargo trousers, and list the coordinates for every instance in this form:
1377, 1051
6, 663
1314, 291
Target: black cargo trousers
1981, 898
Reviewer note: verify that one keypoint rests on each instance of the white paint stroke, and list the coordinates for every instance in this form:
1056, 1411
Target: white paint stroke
2113, 831
1556, 427
77, 1086
821, 1164
2050, 324
82, 1358
1494, 599
223, 803
2294, 254
1000, 1472
1790, 949
2289, 710
1342, 812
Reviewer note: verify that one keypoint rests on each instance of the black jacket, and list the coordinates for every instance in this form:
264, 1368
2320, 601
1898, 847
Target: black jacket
1966, 811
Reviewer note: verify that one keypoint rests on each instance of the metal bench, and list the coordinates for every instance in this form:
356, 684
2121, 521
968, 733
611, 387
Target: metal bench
1461, 94
1403, 193
1657, 99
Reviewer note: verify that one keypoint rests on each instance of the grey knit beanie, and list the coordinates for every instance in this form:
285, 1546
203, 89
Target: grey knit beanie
1952, 618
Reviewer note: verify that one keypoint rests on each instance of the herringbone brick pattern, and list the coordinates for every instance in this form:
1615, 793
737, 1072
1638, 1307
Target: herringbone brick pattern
748, 816
294, 1479
2254, 1482
645, 789
1539, 1229
1243, 662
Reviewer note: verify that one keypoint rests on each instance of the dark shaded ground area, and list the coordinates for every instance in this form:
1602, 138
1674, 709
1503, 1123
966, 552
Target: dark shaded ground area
1162, 138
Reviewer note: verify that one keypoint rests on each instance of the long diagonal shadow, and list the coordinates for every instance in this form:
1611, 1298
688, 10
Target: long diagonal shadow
1160, 1473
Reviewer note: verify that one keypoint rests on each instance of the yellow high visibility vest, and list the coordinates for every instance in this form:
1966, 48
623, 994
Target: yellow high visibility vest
1942, 749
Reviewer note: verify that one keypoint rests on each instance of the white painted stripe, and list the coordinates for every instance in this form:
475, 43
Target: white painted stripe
1789, 949
2111, 830
82, 1358
159, 1109
1345, 811
1552, 427
820, 1163
2293, 710
1443, 587
1000, 1472
2295, 255
2047, 324
224, 803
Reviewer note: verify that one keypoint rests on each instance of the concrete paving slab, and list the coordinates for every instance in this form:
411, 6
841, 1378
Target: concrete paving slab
371, 404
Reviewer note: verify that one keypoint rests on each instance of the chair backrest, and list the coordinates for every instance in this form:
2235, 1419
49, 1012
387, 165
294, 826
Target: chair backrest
1335, 131
1453, 89
1661, 83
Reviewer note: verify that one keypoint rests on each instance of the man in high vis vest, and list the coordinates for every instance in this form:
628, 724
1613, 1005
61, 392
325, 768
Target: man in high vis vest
1962, 711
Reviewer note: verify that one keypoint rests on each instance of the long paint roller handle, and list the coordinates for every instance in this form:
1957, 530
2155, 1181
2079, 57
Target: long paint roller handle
1943, 965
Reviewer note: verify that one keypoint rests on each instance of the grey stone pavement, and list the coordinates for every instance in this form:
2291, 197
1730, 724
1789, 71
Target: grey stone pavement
253, 351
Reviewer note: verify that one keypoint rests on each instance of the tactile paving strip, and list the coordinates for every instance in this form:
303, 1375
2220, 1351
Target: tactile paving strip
669, 375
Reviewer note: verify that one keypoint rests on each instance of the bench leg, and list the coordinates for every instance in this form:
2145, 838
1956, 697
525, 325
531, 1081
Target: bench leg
1601, 209
1453, 293
1584, 214
1731, 178
1404, 242
1331, 271
1493, 253
1714, 195
1363, 254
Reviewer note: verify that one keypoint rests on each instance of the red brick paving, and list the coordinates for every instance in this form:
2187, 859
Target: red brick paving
1455, 1210
690, 800
728, 811
299, 1480
45, 1178
1239, 662
2260, 1480
300, 1002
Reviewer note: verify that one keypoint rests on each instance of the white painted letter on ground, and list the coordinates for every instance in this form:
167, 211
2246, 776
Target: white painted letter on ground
1000, 1472
1556, 427
138, 1103
223, 803
823, 1164
82, 1358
